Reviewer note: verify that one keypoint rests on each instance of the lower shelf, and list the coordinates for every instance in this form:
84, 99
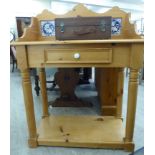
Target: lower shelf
81, 131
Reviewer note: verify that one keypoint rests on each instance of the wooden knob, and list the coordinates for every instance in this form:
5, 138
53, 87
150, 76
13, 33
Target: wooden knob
76, 55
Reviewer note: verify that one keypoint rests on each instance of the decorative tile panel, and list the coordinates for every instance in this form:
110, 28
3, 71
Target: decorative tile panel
47, 28
116, 26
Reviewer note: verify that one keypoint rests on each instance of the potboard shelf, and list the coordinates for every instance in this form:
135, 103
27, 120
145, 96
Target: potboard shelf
81, 131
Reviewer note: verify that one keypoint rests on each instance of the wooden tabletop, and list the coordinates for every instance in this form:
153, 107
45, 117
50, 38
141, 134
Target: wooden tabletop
16, 43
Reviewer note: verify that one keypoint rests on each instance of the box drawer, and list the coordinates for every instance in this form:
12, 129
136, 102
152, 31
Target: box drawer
83, 28
92, 55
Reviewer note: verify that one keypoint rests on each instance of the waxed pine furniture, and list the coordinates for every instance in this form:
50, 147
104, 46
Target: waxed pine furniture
122, 50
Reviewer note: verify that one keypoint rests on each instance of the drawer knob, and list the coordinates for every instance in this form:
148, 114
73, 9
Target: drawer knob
76, 55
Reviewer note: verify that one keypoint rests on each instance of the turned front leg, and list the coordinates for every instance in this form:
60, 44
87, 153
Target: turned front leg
131, 109
29, 106
42, 77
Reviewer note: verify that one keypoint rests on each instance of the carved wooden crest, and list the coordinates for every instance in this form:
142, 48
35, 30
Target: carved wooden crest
121, 26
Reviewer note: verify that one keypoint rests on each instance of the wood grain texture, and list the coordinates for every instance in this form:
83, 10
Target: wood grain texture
86, 55
32, 32
106, 83
127, 51
128, 29
29, 108
83, 28
137, 56
42, 77
18, 124
107, 80
120, 85
81, 131
21, 55
132, 100
120, 56
56, 42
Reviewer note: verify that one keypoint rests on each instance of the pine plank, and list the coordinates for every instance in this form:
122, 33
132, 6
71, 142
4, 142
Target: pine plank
81, 131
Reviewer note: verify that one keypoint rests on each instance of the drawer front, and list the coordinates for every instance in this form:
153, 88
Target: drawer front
94, 55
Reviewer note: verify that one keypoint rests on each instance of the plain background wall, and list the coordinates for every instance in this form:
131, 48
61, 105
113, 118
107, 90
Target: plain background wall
26, 8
